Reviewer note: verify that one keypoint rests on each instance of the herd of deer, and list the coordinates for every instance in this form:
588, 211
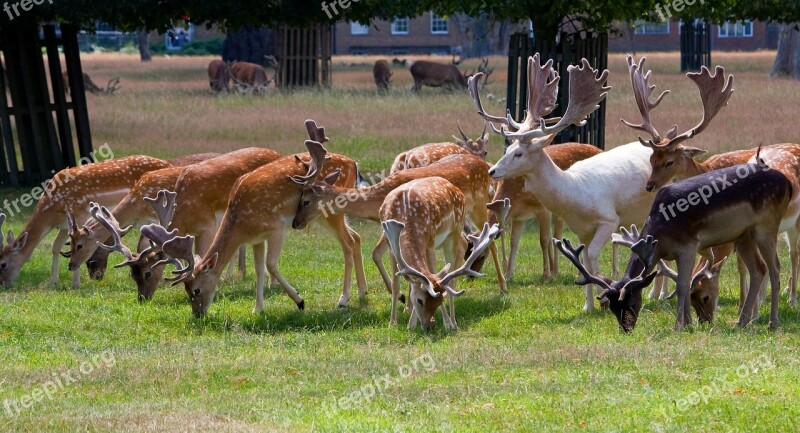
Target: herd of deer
198, 212
427, 73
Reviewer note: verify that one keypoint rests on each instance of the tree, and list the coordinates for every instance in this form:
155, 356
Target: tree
144, 46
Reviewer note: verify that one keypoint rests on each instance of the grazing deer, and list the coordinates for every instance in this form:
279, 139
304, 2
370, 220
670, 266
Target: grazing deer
219, 75
249, 77
426, 154
91, 87
71, 190
467, 172
434, 74
254, 216
382, 74
743, 204
527, 206
594, 196
417, 218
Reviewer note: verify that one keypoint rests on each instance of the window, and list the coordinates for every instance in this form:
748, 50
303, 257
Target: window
439, 25
400, 26
650, 28
736, 29
358, 29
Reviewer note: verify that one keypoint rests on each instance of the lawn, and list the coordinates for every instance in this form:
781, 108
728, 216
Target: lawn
94, 359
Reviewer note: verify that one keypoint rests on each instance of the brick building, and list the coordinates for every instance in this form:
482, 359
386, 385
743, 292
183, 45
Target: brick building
665, 36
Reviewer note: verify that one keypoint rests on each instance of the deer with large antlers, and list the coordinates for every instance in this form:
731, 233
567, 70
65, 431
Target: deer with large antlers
260, 208
71, 190
417, 218
743, 204
594, 196
467, 172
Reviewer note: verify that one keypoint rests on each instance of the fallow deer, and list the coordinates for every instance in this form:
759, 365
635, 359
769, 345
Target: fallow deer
743, 204
418, 217
260, 209
427, 154
594, 196
467, 172
71, 190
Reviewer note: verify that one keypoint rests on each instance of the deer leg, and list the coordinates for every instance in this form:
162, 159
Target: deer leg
601, 236
449, 322
795, 256
543, 216
741, 267
259, 254
555, 256
242, 261
377, 256
685, 267
614, 262
395, 291
748, 251
335, 224
768, 248
517, 227
58, 244
358, 262
274, 245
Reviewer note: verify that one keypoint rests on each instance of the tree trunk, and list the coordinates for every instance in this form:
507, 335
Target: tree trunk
787, 62
144, 46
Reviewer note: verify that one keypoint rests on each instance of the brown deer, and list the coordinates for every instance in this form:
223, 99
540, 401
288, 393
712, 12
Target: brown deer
426, 154
91, 87
467, 172
253, 217
219, 75
434, 74
382, 74
743, 204
249, 77
71, 190
417, 218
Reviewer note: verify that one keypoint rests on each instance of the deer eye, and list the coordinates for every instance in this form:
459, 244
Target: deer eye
3, 265
669, 163
306, 202
196, 291
518, 155
419, 301
147, 275
79, 247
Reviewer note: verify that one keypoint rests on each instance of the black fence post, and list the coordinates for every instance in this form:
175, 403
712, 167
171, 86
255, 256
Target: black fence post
695, 45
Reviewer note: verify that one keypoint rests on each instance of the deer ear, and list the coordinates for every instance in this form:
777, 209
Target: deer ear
716, 269
333, 177
210, 263
692, 152
20, 242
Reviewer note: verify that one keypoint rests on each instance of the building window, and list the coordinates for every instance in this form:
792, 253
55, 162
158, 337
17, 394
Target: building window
400, 26
650, 28
439, 25
736, 29
358, 29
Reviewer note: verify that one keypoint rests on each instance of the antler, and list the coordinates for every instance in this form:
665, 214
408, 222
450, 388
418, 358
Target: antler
107, 220
586, 90
627, 238
479, 245
472, 84
642, 91
179, 247
392, 230
573, 254
315, 133
318, 158
501, 208
112, 86
164, 206
715, 91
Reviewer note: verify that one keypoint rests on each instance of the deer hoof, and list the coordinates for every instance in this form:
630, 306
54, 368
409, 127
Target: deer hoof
301, 305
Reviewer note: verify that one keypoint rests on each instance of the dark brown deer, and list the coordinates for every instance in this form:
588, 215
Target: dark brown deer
249, 77
382, 74
743, 204
219, 75
434, 74
91, 87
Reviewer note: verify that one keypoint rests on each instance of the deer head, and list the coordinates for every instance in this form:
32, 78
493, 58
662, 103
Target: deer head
475, 147
624, 297
11, 259
704, 287
527, 138
427, 290
670, 158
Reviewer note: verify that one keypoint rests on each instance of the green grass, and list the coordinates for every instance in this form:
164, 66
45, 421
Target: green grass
529, 361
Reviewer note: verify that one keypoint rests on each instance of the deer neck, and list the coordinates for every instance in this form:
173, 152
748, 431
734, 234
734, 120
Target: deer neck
38, 227
547, 179
226, 243
693, 168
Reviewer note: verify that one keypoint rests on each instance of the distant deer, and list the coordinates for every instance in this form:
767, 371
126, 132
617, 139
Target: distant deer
219, 76
434, 74
249, 77
382, 74
91, 87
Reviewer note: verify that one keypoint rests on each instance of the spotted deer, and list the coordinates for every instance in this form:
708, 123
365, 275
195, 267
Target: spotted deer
743, 204
427, 154
593, 196
71, 190
254, 216
417, 218
467, 172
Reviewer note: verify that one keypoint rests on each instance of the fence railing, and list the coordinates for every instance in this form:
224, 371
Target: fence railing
695, 45
304, 56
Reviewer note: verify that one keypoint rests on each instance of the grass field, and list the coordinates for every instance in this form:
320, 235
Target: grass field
527, 361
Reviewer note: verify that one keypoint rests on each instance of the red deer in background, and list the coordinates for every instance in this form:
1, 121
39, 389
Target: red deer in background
433, 74
248, 77
219, 75
382, 74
